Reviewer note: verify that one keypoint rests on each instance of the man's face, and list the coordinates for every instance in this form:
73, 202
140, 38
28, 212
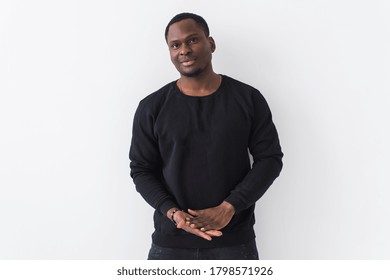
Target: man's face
190, 49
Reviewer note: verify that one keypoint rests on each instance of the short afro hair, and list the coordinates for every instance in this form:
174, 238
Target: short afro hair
198, 19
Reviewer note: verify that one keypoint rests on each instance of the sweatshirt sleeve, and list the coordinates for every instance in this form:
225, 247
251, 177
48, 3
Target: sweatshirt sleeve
267, 157
146, 163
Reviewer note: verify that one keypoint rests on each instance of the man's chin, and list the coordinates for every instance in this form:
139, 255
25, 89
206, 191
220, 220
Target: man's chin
191, 74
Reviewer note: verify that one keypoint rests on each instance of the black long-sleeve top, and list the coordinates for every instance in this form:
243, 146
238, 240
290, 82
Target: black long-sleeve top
192, 153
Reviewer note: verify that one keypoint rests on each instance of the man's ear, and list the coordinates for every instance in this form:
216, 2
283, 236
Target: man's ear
212, 44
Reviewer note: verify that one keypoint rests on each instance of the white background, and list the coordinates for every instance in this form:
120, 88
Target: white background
72, 74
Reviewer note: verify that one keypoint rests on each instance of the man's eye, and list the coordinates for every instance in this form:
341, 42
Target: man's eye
175, 46
193, 40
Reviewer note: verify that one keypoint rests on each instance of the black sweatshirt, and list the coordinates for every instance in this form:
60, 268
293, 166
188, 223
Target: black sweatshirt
192, 153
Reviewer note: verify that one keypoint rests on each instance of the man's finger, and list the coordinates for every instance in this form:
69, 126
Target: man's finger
199, 233
210, 227
213, 232
198, 220
194, 212
198, 226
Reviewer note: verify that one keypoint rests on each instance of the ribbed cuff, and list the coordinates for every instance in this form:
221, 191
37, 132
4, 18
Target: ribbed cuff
165, 206
237, 204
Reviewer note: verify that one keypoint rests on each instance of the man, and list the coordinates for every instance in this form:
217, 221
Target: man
189, 153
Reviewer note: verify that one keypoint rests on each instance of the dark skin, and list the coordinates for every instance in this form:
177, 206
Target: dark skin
191, 52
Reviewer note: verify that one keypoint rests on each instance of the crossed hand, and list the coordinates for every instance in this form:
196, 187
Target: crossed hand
205, 223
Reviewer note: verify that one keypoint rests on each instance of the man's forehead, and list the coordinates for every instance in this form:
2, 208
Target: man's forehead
183, 29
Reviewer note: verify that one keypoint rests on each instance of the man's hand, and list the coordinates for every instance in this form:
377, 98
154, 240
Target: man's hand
214, 218
181, 217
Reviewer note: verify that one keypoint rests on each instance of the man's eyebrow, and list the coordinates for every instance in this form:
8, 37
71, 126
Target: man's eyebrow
188, 36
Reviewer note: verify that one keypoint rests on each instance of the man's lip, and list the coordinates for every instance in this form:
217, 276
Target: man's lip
186, 59
188, 62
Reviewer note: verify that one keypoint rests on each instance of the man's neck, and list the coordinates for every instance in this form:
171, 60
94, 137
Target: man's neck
201, 85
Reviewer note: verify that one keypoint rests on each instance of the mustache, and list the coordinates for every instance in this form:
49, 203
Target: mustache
187, 58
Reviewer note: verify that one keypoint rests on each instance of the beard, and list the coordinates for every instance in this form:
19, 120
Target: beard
196, 73
193, 74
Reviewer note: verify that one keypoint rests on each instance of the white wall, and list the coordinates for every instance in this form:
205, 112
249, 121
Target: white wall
72, 74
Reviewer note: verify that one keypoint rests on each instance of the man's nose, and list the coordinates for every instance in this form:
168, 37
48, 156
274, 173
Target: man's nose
185, 49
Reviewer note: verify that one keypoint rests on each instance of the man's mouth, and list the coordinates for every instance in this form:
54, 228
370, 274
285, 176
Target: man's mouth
187, 62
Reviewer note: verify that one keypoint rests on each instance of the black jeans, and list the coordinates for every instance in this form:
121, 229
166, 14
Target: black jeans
246, 251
